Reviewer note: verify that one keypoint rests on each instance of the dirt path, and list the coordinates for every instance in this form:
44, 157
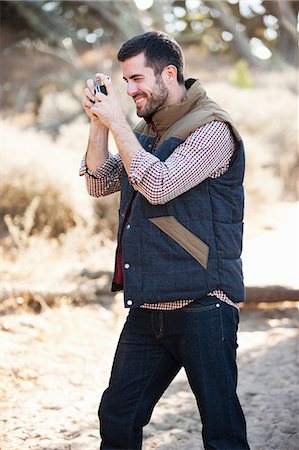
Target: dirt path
55, 366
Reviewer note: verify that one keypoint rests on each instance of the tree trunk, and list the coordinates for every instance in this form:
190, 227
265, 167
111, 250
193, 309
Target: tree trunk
119, 16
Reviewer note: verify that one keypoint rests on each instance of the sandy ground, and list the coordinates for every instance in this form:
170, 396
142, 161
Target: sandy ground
55, 366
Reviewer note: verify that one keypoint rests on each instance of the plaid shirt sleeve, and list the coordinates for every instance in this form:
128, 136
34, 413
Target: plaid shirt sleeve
106, 179
205, 153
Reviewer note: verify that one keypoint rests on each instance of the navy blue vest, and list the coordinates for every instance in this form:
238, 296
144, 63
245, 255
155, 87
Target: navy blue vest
157, 265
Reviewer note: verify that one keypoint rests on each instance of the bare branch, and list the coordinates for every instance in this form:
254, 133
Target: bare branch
120, 16
229, 21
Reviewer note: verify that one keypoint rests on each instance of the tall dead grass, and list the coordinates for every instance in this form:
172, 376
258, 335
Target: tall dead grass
52, 229
31, 205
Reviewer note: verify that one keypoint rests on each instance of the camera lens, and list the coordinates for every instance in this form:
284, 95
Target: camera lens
99, 87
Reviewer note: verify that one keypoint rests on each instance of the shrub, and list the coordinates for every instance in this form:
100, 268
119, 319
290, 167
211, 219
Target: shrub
33, 205
106, 215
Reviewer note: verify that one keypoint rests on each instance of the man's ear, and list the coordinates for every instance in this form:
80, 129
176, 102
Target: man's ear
169, 73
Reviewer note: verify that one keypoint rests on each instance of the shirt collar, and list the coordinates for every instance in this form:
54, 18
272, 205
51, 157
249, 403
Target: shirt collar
166, 116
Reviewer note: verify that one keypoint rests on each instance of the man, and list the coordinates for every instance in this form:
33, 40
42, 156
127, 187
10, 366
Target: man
179, 242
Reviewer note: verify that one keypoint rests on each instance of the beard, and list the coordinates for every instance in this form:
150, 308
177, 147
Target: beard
157, 99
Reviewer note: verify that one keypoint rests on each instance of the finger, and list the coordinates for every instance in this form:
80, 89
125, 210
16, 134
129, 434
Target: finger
87, 105
94, 111
102, 76
89, 95
108, 84
90, 85
99, 97
106, 80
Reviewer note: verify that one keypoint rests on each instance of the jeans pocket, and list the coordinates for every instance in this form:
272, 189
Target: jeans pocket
203, 318
201, 305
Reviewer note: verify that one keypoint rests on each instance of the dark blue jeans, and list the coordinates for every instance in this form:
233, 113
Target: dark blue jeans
153, 347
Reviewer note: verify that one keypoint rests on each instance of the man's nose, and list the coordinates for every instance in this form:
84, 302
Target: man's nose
131, 89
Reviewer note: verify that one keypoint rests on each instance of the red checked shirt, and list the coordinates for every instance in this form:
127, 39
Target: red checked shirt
205, 153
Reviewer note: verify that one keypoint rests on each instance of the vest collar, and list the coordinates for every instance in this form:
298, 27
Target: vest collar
165, 116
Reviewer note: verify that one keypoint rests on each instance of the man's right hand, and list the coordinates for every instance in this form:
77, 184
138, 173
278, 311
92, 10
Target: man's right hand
88, 102
97, 148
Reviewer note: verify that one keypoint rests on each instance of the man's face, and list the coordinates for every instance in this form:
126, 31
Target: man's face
147, 90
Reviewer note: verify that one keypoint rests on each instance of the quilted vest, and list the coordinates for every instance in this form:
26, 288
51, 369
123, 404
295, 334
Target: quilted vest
191, 245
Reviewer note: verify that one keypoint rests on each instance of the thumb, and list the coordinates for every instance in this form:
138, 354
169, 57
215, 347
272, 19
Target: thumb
108, 84
106, 80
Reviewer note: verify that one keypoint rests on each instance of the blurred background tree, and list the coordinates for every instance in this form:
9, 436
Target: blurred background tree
58, 44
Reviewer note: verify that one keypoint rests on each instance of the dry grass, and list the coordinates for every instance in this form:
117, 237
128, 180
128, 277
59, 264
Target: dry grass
30, 205
48, 235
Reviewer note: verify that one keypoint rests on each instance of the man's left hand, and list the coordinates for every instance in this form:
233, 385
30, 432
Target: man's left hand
108, 107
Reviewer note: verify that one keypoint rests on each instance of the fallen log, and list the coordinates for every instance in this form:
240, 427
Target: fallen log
38, 297
95, 288
257, 294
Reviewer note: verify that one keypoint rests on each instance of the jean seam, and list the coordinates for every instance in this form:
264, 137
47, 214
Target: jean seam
160, 323
141, 396
230, 407
221, 325
227, 383
229, 397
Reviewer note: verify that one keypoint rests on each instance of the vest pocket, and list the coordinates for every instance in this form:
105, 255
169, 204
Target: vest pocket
182, 236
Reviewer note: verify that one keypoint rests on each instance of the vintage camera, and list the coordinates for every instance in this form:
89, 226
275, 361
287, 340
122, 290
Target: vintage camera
99, 87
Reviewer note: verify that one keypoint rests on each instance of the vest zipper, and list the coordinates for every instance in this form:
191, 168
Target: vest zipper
157, 138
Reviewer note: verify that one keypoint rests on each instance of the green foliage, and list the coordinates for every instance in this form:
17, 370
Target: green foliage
241, 76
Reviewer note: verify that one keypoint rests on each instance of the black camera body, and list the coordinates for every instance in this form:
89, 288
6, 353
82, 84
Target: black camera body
99, 87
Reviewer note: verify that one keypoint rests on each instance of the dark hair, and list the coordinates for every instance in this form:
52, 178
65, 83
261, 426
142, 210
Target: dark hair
159, 50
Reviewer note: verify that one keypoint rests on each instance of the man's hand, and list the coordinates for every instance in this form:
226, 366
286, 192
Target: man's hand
89, 101
97, 149
107, 114
107, 108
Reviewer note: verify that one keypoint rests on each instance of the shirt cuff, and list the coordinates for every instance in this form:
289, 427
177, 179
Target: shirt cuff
100, 172
140, 164
83, 167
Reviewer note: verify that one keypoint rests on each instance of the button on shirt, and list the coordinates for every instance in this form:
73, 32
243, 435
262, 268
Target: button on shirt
205, 153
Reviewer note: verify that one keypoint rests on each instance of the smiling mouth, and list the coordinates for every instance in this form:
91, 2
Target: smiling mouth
139, 100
